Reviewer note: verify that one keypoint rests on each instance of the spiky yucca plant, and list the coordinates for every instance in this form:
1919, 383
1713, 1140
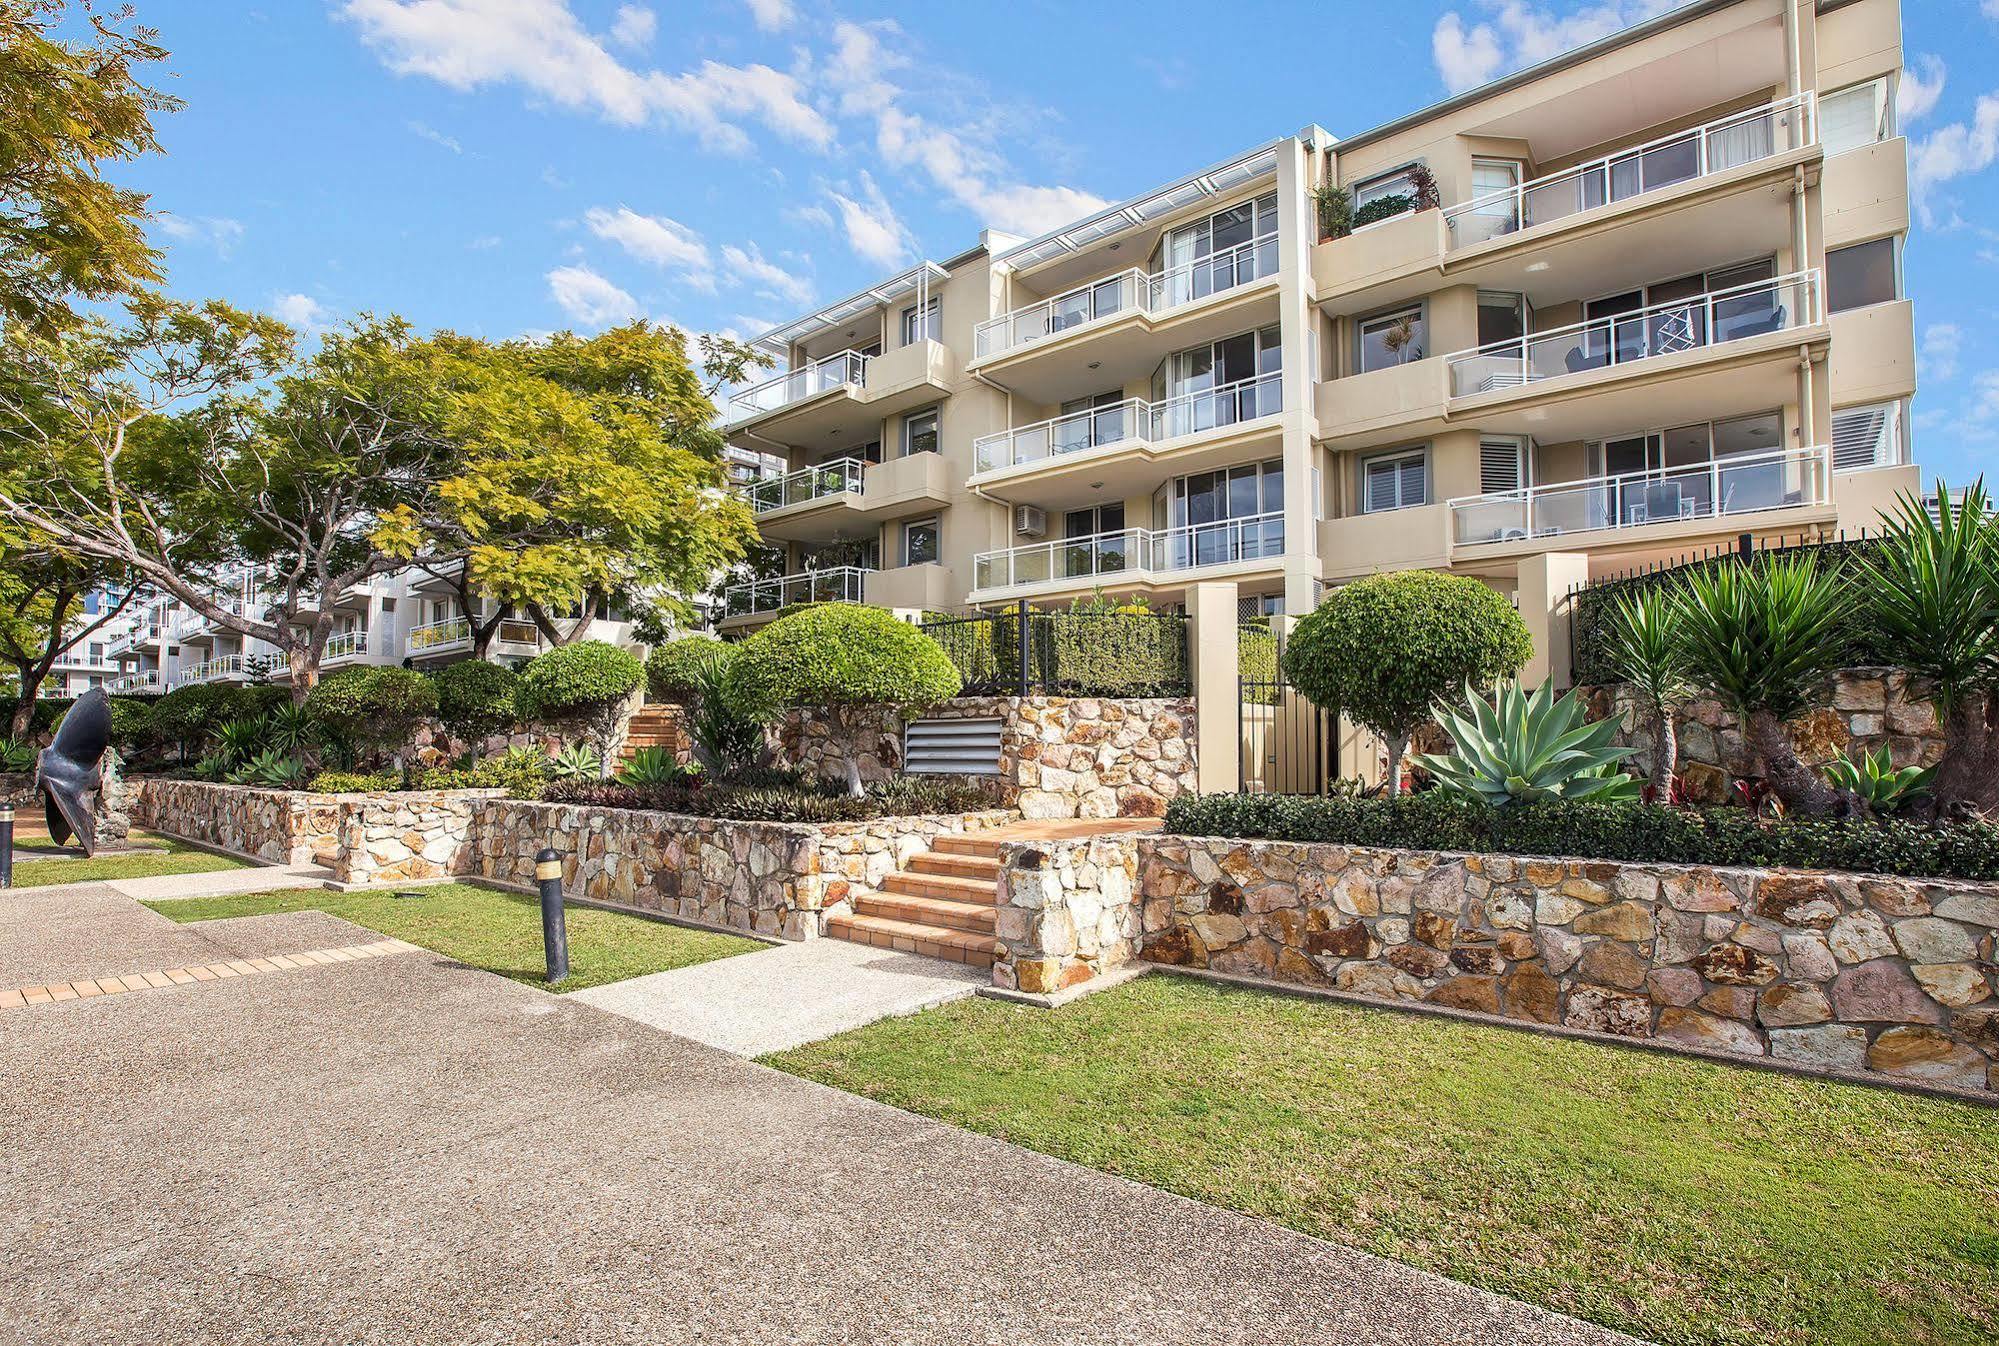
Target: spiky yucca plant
1527, 747
1647, 651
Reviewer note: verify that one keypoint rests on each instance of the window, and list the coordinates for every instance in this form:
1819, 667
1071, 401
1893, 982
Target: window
1870, 436
1391, 339
1231, 247
388, 605
96, 652
1097, 519
921, 325
1501, 317
1499, 463
919, 432
919, 542
1384, 187
1209, 510
1254, 607
1395, 481
1856, 117
1861, 275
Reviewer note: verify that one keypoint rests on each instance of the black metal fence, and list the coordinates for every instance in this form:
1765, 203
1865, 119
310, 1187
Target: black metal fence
1101, 652
1285, 744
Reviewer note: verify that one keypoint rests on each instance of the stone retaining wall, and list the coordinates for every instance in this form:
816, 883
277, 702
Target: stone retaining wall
1060, 757
421, 834
285, 827
1831, 972
17, 788
1067, 911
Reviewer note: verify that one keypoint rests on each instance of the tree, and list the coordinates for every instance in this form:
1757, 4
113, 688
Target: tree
1932, 588
1763, 635
378, 706
44, 613
1646, 649
1386, 649
589, 680
476, 698
673, 666
842, 659
67, 107
145, 446
581, 469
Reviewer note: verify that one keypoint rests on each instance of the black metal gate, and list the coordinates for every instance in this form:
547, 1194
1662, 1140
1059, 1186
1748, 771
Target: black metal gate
1286, 745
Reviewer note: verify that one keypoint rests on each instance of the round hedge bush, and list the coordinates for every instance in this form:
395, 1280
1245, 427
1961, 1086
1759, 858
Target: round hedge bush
842, 654
579, 679
375, 704
476, 698
670, 667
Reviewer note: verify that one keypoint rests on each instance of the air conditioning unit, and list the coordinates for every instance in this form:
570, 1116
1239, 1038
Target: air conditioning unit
1030, 520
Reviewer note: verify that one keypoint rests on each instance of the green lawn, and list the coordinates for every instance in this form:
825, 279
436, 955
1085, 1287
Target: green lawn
177, 857
1674, 1199
490, 929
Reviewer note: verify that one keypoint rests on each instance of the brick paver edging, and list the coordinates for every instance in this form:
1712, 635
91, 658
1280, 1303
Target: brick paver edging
87, 987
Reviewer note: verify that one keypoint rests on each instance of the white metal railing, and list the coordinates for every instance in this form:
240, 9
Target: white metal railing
1709, 319
836, 584
135, 682
1133, 552
189, 622
436, 637
345, 645
1128, 291
1730, 142
795, 385
1133, 420
212, 670
808, 483
1740, 484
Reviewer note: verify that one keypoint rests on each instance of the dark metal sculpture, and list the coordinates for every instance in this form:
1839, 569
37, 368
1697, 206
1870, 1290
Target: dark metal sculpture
69, 773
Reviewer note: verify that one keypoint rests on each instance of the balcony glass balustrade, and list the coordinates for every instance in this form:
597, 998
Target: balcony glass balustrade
822, 481
1133, 553
836, 584
1133, 420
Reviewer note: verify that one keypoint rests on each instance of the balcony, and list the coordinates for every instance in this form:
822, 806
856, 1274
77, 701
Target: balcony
847, 497
195, 628
826, 481
1679, 500
345, 647
847, 393
135, 683
836, 584
453, 635
229, 668
1130, 321
1136, 555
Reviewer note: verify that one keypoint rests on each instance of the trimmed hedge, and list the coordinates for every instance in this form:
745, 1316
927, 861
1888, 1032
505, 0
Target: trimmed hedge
1636, 833
840, 654
776, 804
1112, 651
373, 703
190, 714
577, 679
670, 667
476, 698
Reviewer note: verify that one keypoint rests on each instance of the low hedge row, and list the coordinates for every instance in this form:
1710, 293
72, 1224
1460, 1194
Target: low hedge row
775, 804
1724, 836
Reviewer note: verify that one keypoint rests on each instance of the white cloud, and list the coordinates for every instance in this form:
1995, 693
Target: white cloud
542, 46
1519, 34
1942, 343
957, 161
435, 137
667, 244
811, 217
216, 231
771, 281
299, 310
1990, 8
1920, 87
634, 26
590, 299
772, 15
1954, 151
484, 242
873, 231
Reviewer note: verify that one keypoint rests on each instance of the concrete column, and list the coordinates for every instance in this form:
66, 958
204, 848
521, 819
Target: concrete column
1297, 233
1212, 665
1542, 596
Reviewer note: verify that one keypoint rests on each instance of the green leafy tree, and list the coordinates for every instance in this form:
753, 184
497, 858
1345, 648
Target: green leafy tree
43, 600
476, 698
67, 107
672, 667
589, 681
374, 705
1763, 635
1646, 649
844, 660
1386, 649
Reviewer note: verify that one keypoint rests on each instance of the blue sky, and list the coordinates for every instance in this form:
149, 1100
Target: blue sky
510, 166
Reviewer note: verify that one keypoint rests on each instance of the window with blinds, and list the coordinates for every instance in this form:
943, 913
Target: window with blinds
1864, 437
1855, 117
1396, 483
1499, 465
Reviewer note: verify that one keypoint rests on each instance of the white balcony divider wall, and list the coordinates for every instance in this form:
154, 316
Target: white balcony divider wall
1708, 319
1730, 142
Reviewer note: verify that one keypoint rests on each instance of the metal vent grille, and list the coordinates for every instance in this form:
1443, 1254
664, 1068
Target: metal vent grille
951, 748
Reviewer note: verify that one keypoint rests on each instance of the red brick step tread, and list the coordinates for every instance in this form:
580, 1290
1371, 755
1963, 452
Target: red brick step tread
929, 911
947, 886
961, 866
961, 946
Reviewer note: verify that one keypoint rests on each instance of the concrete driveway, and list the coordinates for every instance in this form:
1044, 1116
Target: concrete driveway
402, 1150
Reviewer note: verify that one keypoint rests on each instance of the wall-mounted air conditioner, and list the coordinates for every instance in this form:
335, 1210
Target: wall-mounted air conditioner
1030, 520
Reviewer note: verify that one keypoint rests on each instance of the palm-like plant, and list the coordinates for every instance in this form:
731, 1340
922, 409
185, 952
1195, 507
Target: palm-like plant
1876, 782
240, 740
1526, 748
1762, 635
1647, 650
1933, 589
291, 729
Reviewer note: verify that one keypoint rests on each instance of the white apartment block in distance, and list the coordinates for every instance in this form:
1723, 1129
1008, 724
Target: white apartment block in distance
1657, 305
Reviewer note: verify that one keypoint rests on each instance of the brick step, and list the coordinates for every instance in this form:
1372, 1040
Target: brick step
966, 843
961, 866
971, 916
961, 946
949, 887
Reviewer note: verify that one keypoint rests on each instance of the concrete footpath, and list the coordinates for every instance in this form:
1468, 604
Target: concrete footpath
397, 1149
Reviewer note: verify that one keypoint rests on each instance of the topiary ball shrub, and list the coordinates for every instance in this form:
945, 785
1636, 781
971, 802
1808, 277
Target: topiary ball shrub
577, 680
842, 658
1384, 650
671, 668
476, 698
373, 705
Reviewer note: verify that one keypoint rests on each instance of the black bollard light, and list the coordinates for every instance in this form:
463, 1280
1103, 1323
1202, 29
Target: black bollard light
554, 933
6, 845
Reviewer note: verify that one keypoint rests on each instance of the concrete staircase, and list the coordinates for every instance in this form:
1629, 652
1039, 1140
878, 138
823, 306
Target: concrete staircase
652, 726
942, 905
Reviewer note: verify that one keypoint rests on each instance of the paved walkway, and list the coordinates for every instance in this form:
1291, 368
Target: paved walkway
398, 1149
787, 995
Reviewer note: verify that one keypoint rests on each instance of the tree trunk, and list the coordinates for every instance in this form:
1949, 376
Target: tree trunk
1967, 775
1398, 748
1799, 787
303, 668
1665, 754
846, 733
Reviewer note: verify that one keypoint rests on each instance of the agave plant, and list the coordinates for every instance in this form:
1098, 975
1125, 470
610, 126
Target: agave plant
270, 769
649, 767
578, 760
215, 767
16, 755
291, 729
1526, 747
1876, 783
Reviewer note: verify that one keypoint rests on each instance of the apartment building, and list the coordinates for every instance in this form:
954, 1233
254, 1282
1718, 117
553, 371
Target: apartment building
1641, 298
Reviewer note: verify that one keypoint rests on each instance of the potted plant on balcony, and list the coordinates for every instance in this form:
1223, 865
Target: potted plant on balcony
1335, 210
